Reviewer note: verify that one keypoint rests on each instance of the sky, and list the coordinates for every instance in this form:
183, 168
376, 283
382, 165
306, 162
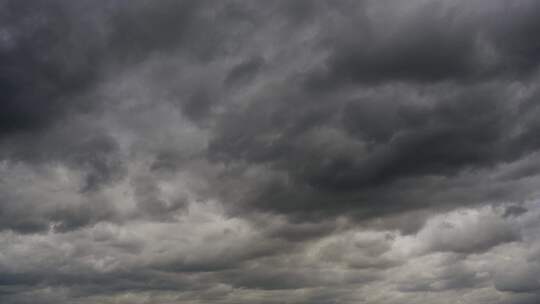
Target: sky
272, 152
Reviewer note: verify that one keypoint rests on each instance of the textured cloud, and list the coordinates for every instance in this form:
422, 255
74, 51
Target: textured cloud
269, 152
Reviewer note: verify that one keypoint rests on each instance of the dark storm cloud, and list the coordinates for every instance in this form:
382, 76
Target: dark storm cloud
347, 153
431, 107
43, 63
436, 42
514, 211
244, 71
54, 57
269, 152
52, 53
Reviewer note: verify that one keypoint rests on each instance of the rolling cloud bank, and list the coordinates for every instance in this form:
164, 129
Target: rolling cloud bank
231, 152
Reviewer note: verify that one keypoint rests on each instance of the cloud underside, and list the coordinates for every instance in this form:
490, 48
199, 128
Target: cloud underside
269, 152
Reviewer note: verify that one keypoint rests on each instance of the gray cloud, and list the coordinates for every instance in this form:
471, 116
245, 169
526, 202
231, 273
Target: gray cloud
269, 152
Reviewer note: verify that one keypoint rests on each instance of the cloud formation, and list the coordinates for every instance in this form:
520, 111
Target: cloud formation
269, 152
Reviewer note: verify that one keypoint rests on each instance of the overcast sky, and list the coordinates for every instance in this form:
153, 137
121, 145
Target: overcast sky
281, 151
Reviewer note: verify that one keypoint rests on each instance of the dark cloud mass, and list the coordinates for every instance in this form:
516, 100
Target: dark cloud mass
269, 151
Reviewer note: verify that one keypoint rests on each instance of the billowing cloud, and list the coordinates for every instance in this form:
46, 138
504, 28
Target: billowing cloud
269, 152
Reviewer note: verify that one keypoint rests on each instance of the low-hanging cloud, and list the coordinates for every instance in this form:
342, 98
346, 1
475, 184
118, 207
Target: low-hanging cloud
269, 152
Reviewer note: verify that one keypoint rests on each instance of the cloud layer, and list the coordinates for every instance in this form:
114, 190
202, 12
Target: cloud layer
269, 152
